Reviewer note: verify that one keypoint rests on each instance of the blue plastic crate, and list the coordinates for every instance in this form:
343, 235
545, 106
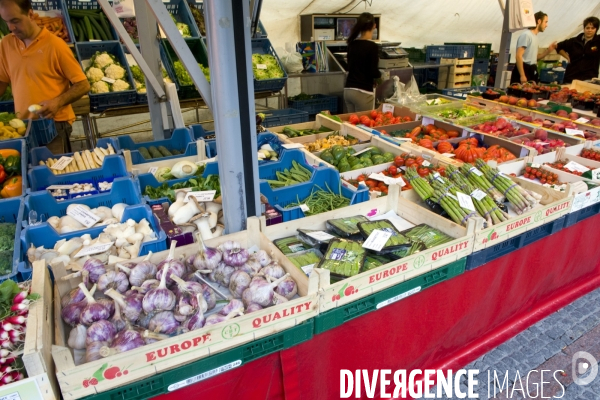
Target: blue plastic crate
21, 147
479, 258
103, 101
269, 170
41, 177
324, 178
318, 103
482, 50
481, 67
60, 5
436, 53
263, 46
44, 235
262, 138
462, 93
42, 153
182, 13
89, 5
285, 116
198, 132
261, 32
12, 210
7, 106
43, 131
124, 190
543, 231
169, 57
179, 140
580, 215
148, 179
548, 75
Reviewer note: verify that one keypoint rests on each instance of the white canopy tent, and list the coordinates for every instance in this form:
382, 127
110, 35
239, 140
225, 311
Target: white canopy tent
417, 23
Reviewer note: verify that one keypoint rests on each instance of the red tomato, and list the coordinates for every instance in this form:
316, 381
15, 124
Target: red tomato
373, 114
371, 123
383, 132
354, 120
423, 171
393, 170
398, 161
389, 115
409, 162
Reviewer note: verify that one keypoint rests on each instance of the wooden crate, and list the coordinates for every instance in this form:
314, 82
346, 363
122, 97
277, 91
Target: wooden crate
344, 130
582, 86
458, 61
394, 272
320, 120
145, 167
37, 353
399, 111
179, 350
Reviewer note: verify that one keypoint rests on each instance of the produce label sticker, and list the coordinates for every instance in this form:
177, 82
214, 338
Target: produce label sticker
582, 120
398, 297
152, 170
452, 196
83, 215
426, 163
62, 163
465, 201
204, 195
573, 166
475, 171
60, 187
478, 194
337, 254
304, 207
292, 146
536, 166
320, 236
387, 108
377, 239
449, 155
94, 249
362, 151
204, 375
574, 132
296, 247
261, 66
438, 177
108, 80
427, 121
26, 389
596, 174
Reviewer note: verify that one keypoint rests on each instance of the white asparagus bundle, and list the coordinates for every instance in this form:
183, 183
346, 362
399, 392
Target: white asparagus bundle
82, 160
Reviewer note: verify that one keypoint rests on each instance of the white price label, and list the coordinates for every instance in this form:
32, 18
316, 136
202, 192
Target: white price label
596, 174
387, 108
426, 163
534, 165
452, 196
152, 170
60, 187
377, 239
582, 120
62, 163
320, 236
573, 166
83, 216
475, 171
25, 389
304, 207
478, 194
292, 146
362, 151
574, 132
438, 177
398, 297
108, 80
261, 66
204, 195
449, 155
204, 375
94, 249
308, 268
465, 201
427, 121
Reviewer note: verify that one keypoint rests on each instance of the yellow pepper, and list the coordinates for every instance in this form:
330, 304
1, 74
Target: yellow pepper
13, 187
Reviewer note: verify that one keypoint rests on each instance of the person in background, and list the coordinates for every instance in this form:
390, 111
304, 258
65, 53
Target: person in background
582, 52
363, 57
527, 51
41, 69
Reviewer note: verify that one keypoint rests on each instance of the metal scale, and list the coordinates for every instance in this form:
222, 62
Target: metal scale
391, 55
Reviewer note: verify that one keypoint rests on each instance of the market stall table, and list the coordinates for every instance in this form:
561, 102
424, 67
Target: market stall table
444, 327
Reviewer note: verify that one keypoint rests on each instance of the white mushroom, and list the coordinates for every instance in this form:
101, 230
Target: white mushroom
201, 221
143, 227
72, 206
117, 210
179, 196
185, 213
218, 231
69, 221
54, 222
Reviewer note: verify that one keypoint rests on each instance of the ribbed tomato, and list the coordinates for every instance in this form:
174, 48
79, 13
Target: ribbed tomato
445, 147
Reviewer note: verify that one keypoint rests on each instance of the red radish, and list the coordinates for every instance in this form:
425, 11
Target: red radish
20, 307
20, 297
16, 320
7, 360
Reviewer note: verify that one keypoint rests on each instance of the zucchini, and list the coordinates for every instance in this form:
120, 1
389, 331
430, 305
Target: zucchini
98, 29
104, 23
164, 151
154, 152
88, 27
144, 152
175, 152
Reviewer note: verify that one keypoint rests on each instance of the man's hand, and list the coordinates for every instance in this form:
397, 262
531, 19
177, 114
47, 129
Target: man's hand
523, 79
49, 108
552, 47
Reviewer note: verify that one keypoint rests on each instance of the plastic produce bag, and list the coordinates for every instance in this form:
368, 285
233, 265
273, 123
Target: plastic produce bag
124, 8
291, 60
405, 94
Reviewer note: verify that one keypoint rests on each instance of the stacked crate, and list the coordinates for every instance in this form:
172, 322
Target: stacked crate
458, 75
481, 64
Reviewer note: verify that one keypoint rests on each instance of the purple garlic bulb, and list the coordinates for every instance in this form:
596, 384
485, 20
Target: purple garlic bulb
209, 296
163, 322
223, 273
216, 318
252, 307
109, 304
127, 339
235, 257
146, 286
287, 288
113, 280
92, 351
144, 319
117, 319
262, 257
131, 306
141, 272
207, 259
71, 314
262, 292
100, 331
74, 296
175, 268
196, 320
93, 310
161, 298
238, 282
273, 271
92, 270
278, 299
234, 305
251, 267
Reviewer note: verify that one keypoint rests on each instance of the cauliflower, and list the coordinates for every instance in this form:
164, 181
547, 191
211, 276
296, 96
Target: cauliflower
120, 85
114, 71
139, 87
94, 74
102, 60
100, 87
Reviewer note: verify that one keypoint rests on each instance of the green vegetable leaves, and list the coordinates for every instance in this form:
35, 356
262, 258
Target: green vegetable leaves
197, 183
8, 290
266, 66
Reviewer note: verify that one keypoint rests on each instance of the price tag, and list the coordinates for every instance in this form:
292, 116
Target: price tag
388, 180
292, 146
573, 166
452, 196
475, 171
261, 66
60, 187
427, 121
204, 195
574, 132
387, 108
152, 170
438, 177
478, 194
83, 216
449, 155
426, 163
304, 207
582, 120
26, 389
398, 297
308, 268
596, 174
536, 166
465, 201
377, 239
62, 163
94, 249
109, 80
362, 151
320, 236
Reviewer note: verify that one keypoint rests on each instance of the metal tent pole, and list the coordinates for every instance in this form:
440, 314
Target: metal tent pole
229, 50
504, 52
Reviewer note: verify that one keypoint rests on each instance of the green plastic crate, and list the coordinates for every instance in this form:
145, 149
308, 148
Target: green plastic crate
415, 54
340, 315
206, 368
200, 54
482, 50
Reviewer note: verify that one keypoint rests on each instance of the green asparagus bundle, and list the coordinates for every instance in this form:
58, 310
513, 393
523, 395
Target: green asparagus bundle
415, 247
320, 200
420, 185
429, 236
343, 257
443, 185
450, 204
290, 245
373, 261
477, 178
305, 258
346, 226
395, 241
287, 177
484, 204
518, 197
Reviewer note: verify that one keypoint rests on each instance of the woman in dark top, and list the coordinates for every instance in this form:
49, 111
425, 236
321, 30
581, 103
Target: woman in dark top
363, 58
582, 52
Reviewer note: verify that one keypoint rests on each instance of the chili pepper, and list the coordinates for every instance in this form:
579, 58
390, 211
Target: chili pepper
2, 174
12, 165
12, 187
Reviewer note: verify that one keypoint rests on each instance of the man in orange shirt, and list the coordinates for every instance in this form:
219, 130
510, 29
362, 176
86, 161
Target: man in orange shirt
41, 69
